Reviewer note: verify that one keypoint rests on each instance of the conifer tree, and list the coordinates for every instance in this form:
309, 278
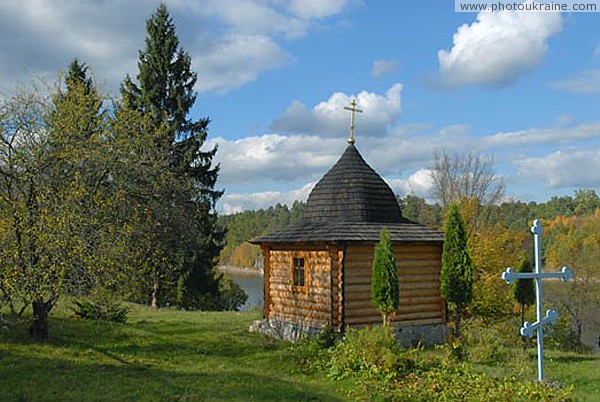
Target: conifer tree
456, 278
165, 90
523, 290
384, 291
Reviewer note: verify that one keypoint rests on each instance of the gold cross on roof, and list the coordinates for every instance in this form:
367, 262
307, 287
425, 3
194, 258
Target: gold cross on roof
352, 108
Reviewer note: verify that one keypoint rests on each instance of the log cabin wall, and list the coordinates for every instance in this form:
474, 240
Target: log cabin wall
419, 276
310, 305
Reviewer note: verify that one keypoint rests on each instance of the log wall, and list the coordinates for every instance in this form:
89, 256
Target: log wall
309, 306
419, 275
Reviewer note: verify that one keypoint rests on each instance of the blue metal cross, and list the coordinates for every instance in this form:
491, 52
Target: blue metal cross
551, 315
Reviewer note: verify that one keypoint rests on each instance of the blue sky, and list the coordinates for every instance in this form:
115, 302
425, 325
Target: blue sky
274, 76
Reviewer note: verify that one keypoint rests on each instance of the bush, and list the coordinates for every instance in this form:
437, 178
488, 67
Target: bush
450, 383
561, 336
371, 352
381, 370
104, 311
232, 296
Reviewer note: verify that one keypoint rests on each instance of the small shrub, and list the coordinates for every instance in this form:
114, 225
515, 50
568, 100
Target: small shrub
232, 296
458, 383
312, 354
561, 336
369, 352
103, 311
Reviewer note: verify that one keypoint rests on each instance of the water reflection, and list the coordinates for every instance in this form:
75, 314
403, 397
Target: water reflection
253, 286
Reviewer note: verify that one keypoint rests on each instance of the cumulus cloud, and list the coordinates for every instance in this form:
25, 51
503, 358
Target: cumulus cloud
587, 82
232, 203
329, 118
274, 158
570, 168
497, 48
541, 136
234, 60
384, 67
419, 183
231, 42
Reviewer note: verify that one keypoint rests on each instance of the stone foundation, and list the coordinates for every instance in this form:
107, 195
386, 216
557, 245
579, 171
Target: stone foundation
428, 335
408, 335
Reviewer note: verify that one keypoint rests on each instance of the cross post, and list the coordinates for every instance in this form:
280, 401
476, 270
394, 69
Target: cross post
551, 315
352, 108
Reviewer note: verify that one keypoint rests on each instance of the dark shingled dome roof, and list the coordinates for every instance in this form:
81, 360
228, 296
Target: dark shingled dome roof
352, 192
351, 202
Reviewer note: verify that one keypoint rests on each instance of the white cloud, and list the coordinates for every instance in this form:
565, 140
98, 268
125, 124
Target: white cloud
497, 48
541, 136
256, 171
384, 67
419, 183
275, 158
309, 9
569, 168
232, 203
236, 60
231, 42
253, 17
329, 118
587, 82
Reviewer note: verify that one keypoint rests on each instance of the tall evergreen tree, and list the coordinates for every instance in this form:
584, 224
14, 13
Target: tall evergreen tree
384, 286
165, 90
456, 277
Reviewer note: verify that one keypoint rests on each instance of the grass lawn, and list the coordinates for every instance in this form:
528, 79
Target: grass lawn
170, 355
157, 356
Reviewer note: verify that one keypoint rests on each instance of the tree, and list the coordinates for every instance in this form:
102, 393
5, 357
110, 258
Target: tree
523, 290
165, 90
456, 279
55, 197
575, 242
384, 287
466, 178
586, 201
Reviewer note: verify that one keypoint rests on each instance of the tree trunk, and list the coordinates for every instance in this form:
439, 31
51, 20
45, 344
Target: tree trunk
457, 320
385, 318
155, 290
523, 337
39, 326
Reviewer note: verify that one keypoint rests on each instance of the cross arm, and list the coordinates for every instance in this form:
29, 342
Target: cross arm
565, 274
528, 328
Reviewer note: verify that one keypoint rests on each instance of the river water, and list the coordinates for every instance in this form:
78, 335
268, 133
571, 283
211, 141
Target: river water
253, 286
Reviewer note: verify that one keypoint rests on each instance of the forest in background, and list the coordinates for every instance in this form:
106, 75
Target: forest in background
512, 215
498, 237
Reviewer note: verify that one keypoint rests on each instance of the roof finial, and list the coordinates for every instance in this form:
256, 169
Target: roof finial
352, 108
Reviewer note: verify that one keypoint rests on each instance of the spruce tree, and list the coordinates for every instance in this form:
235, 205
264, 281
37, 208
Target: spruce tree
456, 278
384, 287
165, 90
523, 290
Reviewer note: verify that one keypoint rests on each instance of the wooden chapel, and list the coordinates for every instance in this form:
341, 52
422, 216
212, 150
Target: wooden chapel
318, 271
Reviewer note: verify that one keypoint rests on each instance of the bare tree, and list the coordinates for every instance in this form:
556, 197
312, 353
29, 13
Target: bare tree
467, 178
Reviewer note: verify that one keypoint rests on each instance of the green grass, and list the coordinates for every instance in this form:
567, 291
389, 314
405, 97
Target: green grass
156, 356
171, 355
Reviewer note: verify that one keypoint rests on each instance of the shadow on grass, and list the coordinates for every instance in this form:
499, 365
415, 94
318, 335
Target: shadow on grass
575, 359
151, 361
28, 378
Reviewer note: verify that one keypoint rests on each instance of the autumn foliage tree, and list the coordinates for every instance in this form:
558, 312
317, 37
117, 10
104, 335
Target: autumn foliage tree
56, 196
384, 287
575, 242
